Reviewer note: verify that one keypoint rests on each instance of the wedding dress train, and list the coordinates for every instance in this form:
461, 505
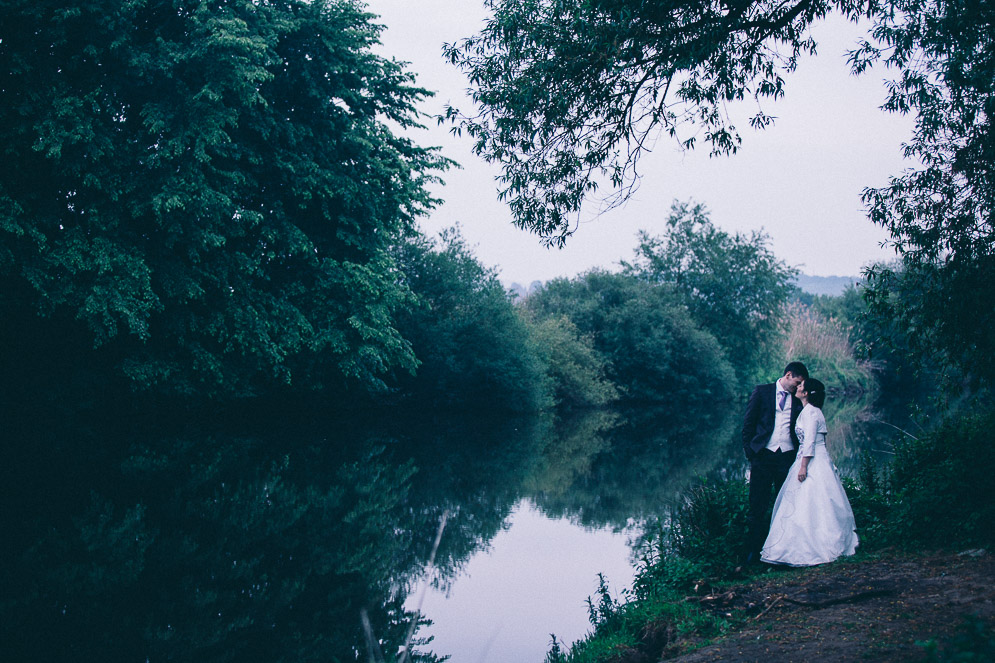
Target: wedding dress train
812, 522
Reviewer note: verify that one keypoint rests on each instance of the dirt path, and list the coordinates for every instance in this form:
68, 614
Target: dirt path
877, 610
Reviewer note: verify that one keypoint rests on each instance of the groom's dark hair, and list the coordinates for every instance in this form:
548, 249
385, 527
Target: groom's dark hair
796, 368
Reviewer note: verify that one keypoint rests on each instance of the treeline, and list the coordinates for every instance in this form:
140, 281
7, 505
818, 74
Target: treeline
694, 316
196, 233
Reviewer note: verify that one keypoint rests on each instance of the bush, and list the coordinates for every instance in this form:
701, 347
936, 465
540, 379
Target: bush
709, 525
650, 346
939, 485
871, 502
576, 371
473, 346
928, 497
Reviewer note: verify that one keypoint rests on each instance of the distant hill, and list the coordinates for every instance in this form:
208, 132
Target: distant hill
824, 285
814, 285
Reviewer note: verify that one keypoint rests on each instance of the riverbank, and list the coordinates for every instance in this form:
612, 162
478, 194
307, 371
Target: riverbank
888, 607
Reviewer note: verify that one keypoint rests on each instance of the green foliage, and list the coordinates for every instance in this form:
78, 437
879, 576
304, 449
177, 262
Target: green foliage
643, 626
880, 341
555, 653
870, 500
472, 344
927, 497
708, 525
606, 608
575, 369
652, 349
940, 213
571, 93
208, 192
935, 481
733, 285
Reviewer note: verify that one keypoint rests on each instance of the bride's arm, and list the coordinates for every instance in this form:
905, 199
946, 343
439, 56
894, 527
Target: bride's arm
809, 425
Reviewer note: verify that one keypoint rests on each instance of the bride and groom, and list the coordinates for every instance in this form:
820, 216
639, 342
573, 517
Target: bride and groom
784, 438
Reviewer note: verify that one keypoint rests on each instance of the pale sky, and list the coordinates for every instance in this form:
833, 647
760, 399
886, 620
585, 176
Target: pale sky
799, 180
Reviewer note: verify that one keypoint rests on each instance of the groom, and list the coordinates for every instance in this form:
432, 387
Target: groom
770, 444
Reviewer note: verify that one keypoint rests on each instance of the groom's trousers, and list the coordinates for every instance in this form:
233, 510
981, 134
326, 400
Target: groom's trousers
768, 470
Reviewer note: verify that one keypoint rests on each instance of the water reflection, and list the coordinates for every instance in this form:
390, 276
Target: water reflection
859, 428
264, 538
635, 464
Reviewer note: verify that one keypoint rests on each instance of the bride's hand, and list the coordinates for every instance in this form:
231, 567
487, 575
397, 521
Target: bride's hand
802, 473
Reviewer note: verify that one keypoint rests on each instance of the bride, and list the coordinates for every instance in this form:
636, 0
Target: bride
812, 522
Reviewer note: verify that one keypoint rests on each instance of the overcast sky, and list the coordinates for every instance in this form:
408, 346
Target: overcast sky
799, 181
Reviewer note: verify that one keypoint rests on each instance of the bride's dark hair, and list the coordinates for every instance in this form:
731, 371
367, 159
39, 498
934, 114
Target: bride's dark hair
816, 392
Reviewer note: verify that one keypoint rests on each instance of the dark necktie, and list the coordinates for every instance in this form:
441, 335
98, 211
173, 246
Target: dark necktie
784, 397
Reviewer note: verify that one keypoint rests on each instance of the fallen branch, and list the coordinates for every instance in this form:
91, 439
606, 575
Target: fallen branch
767, 609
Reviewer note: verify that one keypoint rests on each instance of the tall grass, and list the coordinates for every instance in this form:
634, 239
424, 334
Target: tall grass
823, 345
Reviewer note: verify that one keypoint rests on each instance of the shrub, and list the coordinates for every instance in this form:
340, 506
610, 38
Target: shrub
708, 526
939, 485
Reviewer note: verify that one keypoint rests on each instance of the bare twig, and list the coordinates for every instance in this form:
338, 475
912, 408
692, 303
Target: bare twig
767, 609
900, 430
372, 646
421, 598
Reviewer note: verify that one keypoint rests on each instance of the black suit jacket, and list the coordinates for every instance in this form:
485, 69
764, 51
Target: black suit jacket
758, 424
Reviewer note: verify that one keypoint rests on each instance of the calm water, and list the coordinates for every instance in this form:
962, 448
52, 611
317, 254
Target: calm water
272, 536
530, 582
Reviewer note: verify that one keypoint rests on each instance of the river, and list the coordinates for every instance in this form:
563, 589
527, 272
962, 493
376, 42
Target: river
307, 535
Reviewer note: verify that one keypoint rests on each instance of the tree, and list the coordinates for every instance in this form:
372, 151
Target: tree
472, 344
207, 192
575, 369
941, 215
733, 285
652, 349
570, 92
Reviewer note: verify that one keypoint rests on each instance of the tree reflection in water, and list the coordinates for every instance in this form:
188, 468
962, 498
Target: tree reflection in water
265, 537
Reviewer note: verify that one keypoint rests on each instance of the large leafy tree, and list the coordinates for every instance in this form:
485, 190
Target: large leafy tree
651, 347
733, 285
207, 191
472, 345
570, 92
941, 215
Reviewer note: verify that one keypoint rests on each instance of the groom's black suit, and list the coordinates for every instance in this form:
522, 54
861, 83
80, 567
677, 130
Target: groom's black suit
768, 469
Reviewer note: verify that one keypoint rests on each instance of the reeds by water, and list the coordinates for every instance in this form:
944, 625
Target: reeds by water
823, 345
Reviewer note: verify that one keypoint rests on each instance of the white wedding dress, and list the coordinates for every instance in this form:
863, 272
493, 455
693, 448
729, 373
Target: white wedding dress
812, 522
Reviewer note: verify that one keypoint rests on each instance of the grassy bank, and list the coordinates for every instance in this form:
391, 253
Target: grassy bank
927, 499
